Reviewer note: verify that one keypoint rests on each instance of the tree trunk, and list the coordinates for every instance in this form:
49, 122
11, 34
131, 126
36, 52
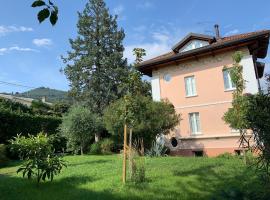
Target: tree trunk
97, 137
81, 150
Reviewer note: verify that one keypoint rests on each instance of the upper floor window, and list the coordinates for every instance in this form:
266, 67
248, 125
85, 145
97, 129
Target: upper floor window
194, 44
228, 83
190, 86
194, 122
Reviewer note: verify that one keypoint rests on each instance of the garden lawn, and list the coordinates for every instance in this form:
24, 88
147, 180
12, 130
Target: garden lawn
99, 177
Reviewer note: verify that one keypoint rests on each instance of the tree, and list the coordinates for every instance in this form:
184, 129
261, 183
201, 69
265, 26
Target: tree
79, 126
95, 66
50, 10
149, 119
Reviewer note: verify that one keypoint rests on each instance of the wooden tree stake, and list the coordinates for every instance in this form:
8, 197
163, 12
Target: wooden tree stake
125, 155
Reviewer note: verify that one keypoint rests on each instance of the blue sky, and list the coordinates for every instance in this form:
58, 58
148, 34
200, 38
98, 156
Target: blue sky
30, 52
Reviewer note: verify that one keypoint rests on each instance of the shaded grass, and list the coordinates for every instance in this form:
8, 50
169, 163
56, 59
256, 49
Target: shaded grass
99, 177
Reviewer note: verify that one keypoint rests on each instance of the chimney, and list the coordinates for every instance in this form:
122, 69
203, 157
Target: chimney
217, 31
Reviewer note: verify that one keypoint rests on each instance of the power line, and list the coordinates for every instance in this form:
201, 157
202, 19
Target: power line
16, 84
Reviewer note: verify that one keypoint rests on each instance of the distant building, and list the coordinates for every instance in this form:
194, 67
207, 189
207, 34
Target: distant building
22, 100
193, 78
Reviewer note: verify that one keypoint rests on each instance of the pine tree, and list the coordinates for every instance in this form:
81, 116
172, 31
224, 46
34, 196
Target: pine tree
95, 66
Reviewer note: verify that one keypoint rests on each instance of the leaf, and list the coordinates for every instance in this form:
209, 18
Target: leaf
54, 17
51, 3
43, 14
38, 3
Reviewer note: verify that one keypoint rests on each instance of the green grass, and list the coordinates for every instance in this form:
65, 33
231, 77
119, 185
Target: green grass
99, 177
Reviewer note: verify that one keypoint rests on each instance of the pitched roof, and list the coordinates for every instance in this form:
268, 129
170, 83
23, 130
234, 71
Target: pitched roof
261, 37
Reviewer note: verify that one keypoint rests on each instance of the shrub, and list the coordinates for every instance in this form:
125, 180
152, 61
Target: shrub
95, 148
13, 123
156, 150
106, 145
41, 162
3, 153
58, 142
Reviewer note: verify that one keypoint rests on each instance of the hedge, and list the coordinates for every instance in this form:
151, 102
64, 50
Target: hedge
12, 123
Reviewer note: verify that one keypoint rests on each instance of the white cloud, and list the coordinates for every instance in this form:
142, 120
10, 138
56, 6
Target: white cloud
118, 9
145, 5
163, 38
42, 42
15, 48
232, 32
9, 29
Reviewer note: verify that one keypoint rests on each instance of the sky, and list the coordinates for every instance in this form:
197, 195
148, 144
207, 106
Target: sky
30, 53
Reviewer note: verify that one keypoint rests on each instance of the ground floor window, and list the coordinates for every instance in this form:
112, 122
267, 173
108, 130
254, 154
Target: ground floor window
198, 153
174, 142
194, 123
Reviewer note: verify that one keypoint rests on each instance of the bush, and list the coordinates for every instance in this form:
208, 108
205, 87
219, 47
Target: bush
3, 153
106, 145
41, 162
13, 123
95, 148
58, 142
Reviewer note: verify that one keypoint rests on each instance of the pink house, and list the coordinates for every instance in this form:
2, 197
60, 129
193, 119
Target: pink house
193, 78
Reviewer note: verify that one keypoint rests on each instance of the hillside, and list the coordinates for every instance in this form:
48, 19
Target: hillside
52, 95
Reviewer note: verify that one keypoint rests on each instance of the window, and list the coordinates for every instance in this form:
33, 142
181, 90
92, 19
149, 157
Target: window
194, 44
194, 122
228, 84
198, 153
167, 77
190, 86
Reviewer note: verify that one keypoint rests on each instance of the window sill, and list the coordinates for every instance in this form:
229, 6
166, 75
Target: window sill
196, 134
192, 96
229, 90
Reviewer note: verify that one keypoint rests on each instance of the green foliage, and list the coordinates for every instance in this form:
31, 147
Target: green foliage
95, 65
58, 142
148, 118
52, 95
3, 153
156, 150
49, 10
38, 154
138, 170
258, 117
12, 106
95, 148
226, 155
40, 108
106, 145
60, 108
13, 123
79, 127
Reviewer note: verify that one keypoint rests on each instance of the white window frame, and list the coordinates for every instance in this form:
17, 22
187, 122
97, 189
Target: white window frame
190, 86
194, 118
227, 77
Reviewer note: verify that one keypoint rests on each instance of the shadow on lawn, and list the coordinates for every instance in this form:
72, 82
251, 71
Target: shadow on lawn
66, 188
223, 185
89, 162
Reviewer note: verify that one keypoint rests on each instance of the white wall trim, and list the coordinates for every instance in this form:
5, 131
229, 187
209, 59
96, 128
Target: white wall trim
202, 105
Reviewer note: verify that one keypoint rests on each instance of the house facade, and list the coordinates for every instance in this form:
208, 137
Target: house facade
195, 78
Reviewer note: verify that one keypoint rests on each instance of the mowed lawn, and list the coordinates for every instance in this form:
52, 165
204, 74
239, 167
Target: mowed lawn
99, 177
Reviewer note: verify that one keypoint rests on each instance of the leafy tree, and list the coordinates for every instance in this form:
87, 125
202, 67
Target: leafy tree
79, 126
267, 77
37, 151
49, 10
60, 108
236, 116
38, 107
95, 66
148, 118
